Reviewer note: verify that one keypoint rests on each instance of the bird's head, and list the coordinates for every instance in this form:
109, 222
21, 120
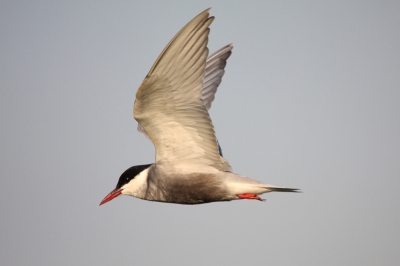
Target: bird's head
130, 182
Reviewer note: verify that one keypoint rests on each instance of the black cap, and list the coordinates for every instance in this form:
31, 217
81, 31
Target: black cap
130, 174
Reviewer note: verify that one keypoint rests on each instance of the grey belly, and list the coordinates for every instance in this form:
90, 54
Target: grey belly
192, 189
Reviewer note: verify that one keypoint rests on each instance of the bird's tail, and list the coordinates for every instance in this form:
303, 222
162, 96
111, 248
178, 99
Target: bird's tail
284, 189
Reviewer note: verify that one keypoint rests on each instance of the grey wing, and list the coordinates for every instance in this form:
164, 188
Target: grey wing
214, 72
169, 103
213, 76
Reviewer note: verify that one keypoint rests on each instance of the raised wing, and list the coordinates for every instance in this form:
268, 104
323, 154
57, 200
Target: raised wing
214, 72
169, 103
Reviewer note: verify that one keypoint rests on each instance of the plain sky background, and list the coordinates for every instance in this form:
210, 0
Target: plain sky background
310, 100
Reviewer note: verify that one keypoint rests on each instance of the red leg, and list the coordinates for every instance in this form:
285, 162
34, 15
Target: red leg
249, 196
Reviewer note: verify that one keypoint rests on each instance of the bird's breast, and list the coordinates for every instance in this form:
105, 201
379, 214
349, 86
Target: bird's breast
193, 188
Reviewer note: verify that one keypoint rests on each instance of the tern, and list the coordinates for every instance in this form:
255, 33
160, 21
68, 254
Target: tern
171, 109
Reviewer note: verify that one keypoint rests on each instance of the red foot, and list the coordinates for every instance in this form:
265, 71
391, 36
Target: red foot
249, 196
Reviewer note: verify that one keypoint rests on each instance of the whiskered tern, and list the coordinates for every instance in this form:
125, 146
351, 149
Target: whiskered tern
171, 109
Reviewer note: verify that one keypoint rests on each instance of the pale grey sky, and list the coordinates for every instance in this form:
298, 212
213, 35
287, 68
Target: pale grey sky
310, 99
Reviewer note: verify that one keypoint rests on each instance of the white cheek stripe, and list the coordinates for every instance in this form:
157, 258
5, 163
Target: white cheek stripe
136, 185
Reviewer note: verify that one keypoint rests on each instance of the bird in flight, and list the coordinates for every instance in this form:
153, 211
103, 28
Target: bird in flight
171, 109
